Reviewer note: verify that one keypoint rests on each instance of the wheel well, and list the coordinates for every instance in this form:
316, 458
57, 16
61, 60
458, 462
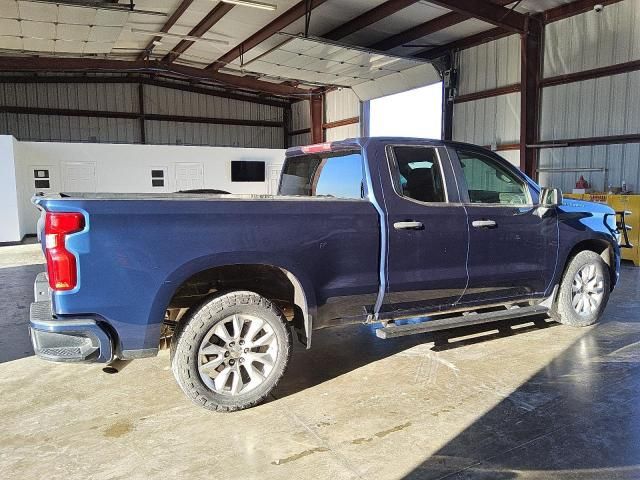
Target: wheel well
273, 283
601, 247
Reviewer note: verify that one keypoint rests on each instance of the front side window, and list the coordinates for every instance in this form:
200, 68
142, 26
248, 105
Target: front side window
417, 174
490, 182
327, 175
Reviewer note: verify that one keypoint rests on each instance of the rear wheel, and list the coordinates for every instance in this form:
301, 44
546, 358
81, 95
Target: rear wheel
232, 351
584, 290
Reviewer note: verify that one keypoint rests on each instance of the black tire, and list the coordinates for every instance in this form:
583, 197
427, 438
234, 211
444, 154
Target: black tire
563, 310
209, 317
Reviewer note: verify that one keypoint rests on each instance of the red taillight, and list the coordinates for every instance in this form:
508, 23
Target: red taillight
61, 264
317, 148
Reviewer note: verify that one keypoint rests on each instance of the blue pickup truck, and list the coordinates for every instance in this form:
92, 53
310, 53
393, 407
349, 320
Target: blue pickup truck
363, 230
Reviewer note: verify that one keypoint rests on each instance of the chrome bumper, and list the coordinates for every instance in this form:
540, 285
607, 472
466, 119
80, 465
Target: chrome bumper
68, 339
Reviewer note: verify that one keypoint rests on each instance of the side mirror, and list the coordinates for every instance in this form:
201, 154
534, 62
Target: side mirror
550, 197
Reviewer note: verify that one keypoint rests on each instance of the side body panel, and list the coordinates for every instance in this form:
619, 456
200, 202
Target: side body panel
514, 258
426, 267
133, 254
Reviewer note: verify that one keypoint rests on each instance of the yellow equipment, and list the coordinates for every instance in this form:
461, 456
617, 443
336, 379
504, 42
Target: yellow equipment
629, 203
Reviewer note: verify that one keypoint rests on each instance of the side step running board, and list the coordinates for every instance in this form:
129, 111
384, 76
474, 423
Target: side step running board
393, 331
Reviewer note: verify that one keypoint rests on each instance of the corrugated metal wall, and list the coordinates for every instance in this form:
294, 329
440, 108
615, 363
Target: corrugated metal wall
57, 128
592, 40
181, 133
300, 120
616, 163
592, 108
340, 105
493, 120
488, 121
123, 97
491, 65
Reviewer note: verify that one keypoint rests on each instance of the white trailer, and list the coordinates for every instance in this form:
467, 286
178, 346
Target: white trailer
27, 168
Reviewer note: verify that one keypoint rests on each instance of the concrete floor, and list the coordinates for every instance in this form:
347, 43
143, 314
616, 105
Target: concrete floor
506, 401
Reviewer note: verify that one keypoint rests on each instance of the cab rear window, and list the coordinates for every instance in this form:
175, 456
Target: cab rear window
337, 175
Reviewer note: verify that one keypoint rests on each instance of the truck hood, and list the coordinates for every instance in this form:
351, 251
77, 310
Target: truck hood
573, 205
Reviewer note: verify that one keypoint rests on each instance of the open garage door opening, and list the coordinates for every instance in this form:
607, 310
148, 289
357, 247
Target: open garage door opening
413, 113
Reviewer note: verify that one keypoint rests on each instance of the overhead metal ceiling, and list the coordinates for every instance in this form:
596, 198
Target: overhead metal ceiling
211, 36
315, 61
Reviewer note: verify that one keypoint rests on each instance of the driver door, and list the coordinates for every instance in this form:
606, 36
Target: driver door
513, 242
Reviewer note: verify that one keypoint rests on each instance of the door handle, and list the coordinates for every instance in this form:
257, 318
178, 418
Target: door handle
483, 223
409, 225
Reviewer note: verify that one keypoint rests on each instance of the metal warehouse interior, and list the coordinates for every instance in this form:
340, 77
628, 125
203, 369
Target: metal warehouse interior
553, 86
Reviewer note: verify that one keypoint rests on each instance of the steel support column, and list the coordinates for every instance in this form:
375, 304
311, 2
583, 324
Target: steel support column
143, 132
531, 51
448, 93
286, 122
317, 133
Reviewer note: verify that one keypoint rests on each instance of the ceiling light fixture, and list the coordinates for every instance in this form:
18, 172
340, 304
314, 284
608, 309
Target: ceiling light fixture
251, 3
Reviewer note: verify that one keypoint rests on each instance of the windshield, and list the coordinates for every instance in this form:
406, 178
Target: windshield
329, 175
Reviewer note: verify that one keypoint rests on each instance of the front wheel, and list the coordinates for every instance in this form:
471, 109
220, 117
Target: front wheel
232, 351
584, 291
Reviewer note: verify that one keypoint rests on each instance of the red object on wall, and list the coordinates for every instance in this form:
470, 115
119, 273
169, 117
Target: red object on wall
582, 183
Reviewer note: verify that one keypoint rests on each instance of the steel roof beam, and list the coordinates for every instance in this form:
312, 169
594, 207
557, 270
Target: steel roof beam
166, 27
466, 42
487, 12
427, 28
369, 17
61, 64
213, 17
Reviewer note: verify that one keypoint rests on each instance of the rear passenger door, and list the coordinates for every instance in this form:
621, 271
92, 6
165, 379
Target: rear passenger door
427, 230
513, 241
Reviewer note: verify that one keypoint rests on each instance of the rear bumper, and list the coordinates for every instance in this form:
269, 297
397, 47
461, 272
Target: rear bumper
68, 339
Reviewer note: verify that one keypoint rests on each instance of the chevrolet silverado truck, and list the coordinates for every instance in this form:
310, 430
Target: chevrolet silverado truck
367, 230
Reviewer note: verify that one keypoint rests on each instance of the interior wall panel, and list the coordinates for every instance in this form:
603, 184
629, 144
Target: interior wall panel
490, 65
115, 97
166, 101
181, 133
616, 163
300, 139
300, 115
592, 40
592, 108
123, 97
57, 128
488, 121
341, 104
340, 133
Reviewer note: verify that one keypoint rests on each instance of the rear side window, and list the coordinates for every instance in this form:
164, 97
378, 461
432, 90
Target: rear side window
417, 174
337, 175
